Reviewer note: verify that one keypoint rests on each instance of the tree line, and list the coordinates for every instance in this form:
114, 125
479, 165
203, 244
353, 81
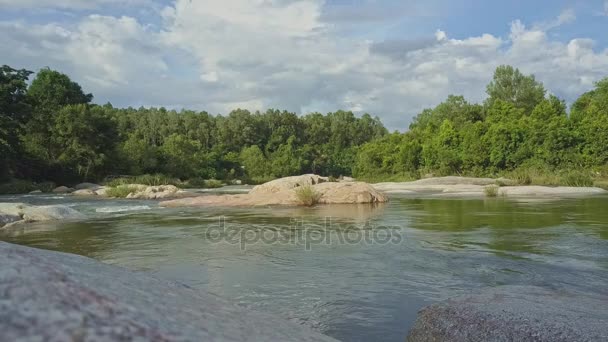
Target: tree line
51, 130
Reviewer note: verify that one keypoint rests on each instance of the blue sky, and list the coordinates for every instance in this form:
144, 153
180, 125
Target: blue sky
389, 58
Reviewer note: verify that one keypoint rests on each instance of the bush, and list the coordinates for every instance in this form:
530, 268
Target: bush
121, 191
307, 196
521, 177
119, 181
577, 178
491, 190
332, 179
17, 186
213, 183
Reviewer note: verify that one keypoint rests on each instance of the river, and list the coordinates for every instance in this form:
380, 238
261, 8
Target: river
356, 273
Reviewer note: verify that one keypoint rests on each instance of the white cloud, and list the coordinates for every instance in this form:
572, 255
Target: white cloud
280, 53
64, 4
606, 7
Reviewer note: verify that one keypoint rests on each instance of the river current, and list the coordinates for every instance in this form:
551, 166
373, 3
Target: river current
356, 273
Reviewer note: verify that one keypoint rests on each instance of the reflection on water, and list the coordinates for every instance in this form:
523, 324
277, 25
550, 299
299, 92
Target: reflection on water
352, 291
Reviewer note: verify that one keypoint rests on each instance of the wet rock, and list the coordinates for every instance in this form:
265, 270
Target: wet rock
32, 213
515, 313
6, 219
35, 192
50, 296
561, 191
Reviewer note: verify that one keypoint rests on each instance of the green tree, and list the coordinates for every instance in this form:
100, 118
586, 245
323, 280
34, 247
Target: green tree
510, 85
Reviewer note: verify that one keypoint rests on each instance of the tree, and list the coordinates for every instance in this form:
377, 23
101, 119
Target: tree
510, 85
254, 162
14, 111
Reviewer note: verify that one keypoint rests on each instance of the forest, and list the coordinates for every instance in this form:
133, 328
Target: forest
50, 130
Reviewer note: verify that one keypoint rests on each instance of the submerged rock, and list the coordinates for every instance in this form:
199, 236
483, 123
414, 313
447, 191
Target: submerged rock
50, 296
32, 213
515, 313
283, 192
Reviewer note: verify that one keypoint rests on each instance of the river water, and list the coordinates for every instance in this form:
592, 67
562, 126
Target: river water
356, 273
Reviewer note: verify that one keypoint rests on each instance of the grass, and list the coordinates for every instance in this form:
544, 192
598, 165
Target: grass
121, 191
213, 183
307, 196
577, 178
151, 180
491, 190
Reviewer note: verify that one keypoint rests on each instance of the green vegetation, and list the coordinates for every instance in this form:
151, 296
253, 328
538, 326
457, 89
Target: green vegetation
307, 196
50, 131
491, 190
121, 191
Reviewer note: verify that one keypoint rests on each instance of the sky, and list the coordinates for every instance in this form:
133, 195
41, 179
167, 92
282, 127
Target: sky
389, 58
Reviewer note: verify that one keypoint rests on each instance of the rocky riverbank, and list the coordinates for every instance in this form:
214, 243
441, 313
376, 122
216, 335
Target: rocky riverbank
515, 313
12, 214
477, 187
50, 296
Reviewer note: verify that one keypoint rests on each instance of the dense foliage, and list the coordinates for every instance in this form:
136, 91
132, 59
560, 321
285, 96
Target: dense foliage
517, 128
50, 131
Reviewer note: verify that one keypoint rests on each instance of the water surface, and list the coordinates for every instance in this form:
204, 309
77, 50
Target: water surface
355, 291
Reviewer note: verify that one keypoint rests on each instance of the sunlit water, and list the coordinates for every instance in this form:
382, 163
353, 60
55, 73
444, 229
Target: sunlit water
353, 291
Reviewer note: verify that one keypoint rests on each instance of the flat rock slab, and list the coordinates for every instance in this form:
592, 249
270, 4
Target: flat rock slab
50, 296
515, 313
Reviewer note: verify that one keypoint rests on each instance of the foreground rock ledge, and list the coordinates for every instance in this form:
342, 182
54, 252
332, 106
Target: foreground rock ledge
283, 192
50, 296
515, 313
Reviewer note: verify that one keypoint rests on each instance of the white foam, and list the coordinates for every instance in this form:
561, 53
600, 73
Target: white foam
120, 209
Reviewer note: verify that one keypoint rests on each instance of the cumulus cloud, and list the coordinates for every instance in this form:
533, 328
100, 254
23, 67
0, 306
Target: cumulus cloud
282, 54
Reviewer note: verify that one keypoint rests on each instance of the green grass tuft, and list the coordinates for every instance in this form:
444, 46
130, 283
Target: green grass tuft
577, 178
491, 190
121, 191
307, 196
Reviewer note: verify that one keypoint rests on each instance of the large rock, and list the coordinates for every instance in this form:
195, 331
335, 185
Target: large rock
31, 213
85, 192
89, 186
283, 192
50, 296
287, 183
62, 190
475, 187
158, 192
515, 313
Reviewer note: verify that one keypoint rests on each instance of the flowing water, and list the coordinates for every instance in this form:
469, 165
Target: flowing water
356, 273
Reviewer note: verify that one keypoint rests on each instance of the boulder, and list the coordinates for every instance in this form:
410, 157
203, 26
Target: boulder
51, 296
154, 192
85, 186
283, 192
559, 191
32, 213
101, 192
6, 219
84, 192
515, 313
287, 183
62, 190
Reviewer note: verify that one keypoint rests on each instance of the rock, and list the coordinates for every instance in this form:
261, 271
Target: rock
287, 183
101, 192
51, 296
347, 179
6, 219
283, 192
62, 190
560, 191
153, 192
32, 213
84, 192
85, 186
515, 313
35, 192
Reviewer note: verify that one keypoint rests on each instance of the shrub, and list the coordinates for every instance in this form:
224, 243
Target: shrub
121, 191
119, 181
491, 190
17, 186
577, 178
521, 177
46, 186
213, 183
332, 179
155, 180
196, 182
307, 196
